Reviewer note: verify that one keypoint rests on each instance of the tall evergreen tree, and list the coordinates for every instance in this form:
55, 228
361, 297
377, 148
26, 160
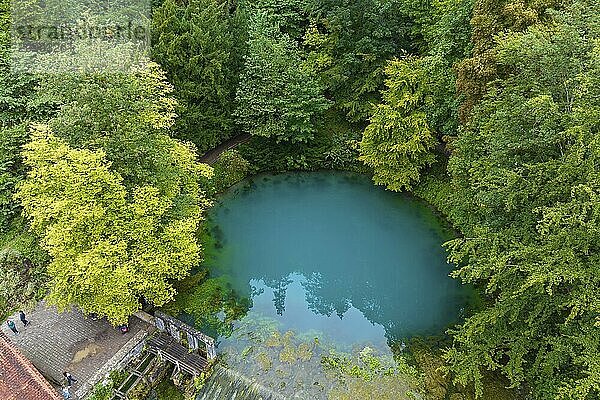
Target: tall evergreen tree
194, 43
349, 44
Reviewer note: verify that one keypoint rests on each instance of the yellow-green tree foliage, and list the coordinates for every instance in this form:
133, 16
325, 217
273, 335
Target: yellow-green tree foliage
109, 247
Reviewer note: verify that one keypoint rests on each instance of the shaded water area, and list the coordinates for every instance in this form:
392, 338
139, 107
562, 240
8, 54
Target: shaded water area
330, 262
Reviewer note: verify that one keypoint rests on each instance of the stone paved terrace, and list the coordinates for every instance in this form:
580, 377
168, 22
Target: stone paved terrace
70, 342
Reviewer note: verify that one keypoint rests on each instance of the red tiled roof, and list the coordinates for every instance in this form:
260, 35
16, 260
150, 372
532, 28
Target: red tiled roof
19, 380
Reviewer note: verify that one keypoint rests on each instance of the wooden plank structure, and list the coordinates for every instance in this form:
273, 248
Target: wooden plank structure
168, 349
193, 357
196, 340
177, 343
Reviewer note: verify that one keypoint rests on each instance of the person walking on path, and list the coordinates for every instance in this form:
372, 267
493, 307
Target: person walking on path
12, 326
69, 378
22, 318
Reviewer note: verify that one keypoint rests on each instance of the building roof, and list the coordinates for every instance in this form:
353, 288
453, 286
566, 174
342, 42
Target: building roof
19, 380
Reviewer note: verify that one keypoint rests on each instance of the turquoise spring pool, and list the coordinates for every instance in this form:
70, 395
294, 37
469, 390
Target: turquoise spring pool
329, 255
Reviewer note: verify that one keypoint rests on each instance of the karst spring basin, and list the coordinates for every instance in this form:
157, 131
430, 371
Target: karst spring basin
332, 255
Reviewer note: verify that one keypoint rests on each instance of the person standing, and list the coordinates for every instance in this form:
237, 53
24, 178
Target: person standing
22, 318
12, 326
69, 378
65, 393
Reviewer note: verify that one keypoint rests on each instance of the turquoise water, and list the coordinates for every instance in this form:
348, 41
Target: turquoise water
329, 255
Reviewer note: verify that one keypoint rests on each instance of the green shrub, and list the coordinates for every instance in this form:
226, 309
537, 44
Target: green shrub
334, 146
167, 391
117, 377
101, 392
22, 283
229, 169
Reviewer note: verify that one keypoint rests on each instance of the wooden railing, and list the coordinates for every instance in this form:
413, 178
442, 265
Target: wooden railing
194, 337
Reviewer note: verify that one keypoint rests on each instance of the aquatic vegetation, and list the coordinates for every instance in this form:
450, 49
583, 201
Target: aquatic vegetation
257, 329
282, 361
304, 352
274, 340
370, 375
436, 380
247, 351
367, 365
288, 354
264, 361
282, 373
382, 388
288, 336
211, 302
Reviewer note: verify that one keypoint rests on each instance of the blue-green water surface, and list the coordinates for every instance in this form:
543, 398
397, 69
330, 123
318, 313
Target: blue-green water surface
330, 255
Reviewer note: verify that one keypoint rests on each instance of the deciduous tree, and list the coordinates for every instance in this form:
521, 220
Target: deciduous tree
398, 141
110, 246
526, 182
277, 97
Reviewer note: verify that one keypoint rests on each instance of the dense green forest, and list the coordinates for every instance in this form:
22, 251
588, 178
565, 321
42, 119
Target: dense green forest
488, 109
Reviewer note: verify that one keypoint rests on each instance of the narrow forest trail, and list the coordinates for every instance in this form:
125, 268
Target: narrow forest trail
213, 155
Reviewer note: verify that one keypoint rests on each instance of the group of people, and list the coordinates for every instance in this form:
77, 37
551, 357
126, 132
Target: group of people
13, 327
69, 378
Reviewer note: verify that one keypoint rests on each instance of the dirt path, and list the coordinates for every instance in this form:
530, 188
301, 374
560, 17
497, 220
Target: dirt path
213, 155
